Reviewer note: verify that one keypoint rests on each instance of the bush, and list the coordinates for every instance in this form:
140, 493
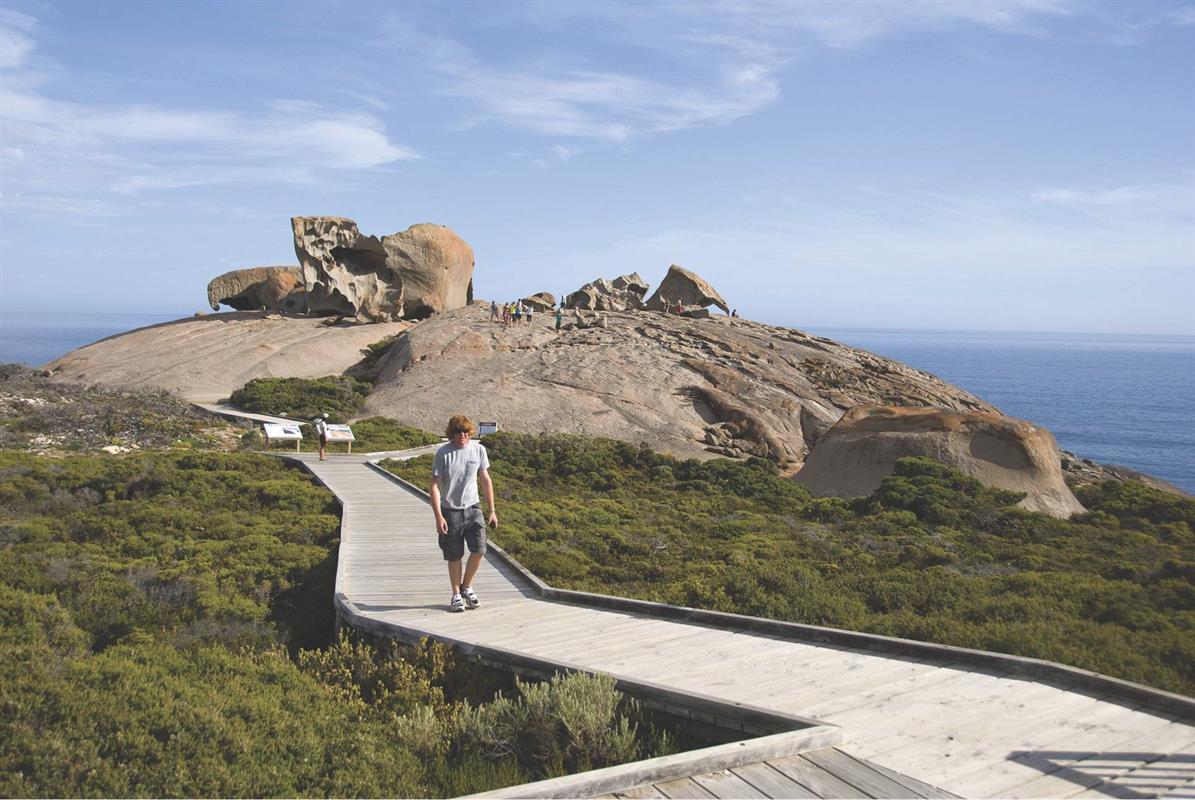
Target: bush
338, 396
932, 554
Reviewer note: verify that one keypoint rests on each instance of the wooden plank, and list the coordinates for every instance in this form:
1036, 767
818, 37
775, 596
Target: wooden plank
726, 784
637, 793
771, 782
859, 774
682, 788
817, 780
922, 788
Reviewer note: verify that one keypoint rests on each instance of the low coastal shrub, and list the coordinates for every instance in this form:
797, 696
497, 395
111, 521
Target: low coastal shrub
931, 555
166, 630
382, 433
338, 396
42, 415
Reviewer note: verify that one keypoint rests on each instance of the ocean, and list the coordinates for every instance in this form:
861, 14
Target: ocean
1127, 400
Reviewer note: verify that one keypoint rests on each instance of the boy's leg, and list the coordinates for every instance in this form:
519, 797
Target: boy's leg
470, 569
454, 574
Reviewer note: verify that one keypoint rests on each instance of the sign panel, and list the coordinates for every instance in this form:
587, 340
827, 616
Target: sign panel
274, 430
486, 427
340, 433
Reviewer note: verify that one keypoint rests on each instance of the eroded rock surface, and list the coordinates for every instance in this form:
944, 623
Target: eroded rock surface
855, 455
206, 358
413, 274
277, 289
687, 288
624, 293
540, 301
688, 387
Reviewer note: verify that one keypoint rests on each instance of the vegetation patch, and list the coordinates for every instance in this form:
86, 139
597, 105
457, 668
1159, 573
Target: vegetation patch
165, 630
339, 396
44, 416
931, 555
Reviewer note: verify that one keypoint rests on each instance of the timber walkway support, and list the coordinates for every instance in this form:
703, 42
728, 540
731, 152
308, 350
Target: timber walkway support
972, 724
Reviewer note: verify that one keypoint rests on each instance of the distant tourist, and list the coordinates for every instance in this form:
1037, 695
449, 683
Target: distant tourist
734, 312
530, 310
494, 310
506, 313
321, 430
518, 315
559, 314
459, 520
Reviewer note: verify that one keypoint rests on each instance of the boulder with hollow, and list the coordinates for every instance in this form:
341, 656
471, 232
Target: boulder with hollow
421, 271
624, 293
861, 449
275, 289
687, 288
540, 301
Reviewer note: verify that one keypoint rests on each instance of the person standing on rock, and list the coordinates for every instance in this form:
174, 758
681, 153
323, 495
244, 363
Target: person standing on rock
494, 310
530, 310
321, 430
559, 314
458, 467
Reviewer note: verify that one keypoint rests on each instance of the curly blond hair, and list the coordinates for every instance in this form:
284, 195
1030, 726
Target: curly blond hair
460, 423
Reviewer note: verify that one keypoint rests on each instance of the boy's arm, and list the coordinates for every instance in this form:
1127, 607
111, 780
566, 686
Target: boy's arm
487, 487
441, 523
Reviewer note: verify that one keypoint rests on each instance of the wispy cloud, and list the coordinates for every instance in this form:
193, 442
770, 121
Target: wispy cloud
128, 149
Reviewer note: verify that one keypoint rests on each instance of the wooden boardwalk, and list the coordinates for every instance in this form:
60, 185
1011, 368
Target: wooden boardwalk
974, 732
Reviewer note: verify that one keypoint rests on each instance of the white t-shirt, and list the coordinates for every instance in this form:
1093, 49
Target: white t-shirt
457, 467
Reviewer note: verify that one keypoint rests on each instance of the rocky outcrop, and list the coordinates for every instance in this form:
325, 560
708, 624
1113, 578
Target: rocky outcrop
205, 358
624, 293
693, 388
540, 301
687, 288
855, 455
276, 289
413, 274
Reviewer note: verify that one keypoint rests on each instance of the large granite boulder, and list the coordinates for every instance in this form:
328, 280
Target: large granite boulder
413, 274
276, 289
861, 449
540, 301
624, 293
687, 288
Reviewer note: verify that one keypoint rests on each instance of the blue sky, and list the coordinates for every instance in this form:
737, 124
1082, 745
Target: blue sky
1008, 165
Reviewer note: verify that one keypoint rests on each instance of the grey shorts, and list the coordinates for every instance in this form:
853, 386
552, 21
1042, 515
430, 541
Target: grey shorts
465, 526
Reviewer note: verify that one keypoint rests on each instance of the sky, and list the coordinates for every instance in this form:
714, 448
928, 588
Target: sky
1024, 165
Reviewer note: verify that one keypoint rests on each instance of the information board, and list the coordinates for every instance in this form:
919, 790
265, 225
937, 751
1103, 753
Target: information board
340, 433
486, 427
276, 431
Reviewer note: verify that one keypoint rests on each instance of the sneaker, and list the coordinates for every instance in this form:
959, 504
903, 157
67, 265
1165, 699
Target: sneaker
457, 604
470, 598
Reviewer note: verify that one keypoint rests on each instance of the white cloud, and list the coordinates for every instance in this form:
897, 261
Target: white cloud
49, 143
1176, 200
16, 42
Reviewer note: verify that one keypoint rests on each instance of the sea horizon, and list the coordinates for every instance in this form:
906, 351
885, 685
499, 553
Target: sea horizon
1123, 399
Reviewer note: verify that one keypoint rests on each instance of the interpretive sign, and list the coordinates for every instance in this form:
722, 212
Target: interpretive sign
340, 433
486, 427
279, 432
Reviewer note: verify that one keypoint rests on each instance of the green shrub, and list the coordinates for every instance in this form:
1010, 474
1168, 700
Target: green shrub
382, 433
338, 396
932, 554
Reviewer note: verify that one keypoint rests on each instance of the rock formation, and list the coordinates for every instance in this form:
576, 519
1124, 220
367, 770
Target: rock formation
205, 358
418, 272
276, 289
624, 293
690, 387
540, 301
855, 455
687, 288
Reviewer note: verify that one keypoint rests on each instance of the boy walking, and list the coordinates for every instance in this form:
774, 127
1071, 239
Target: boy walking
459, 520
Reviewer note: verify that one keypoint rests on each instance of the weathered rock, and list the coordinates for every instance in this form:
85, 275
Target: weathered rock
854, 456
540, 301
687, 288
696, 313
205, 358
418, 272
662, 379
624, 293
277, 289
